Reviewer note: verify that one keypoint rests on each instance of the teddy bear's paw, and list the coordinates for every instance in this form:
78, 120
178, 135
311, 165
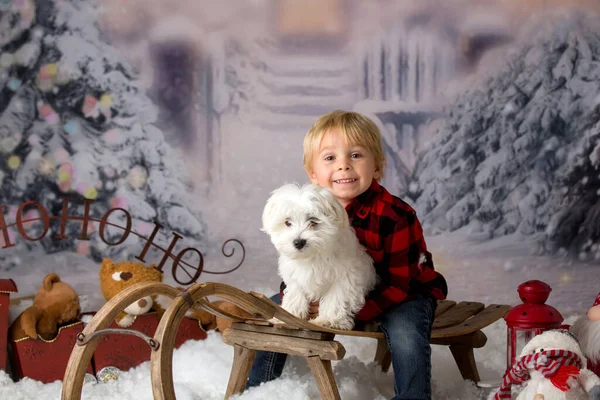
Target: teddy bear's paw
140, 307
126, 321
30, 332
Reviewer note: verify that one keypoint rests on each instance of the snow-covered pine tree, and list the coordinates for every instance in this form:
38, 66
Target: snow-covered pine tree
75, 122
518, 154
576, 225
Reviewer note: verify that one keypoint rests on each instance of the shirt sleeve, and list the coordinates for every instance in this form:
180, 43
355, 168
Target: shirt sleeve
402, 250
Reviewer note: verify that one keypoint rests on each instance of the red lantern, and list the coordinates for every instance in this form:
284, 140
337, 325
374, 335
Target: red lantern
530, 318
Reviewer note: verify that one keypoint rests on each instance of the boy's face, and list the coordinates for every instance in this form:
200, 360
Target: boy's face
347, 170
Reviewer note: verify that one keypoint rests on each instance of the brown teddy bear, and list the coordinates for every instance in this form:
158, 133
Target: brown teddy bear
115, 277
54, 304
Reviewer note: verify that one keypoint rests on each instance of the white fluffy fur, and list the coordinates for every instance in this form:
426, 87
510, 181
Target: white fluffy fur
588, 334
538, 384
332, 267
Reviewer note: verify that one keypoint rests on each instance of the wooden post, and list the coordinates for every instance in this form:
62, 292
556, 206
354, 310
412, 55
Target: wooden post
383, 356
323, 373
465, 360
240, 370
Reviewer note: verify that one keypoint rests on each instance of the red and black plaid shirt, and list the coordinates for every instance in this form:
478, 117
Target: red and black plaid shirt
391, 233
393, 237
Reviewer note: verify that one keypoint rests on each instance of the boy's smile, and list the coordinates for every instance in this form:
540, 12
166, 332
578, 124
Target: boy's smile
348, 170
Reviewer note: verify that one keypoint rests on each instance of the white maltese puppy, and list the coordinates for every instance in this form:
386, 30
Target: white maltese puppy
320, 258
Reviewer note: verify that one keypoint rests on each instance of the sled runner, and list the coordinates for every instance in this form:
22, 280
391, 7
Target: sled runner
457, 325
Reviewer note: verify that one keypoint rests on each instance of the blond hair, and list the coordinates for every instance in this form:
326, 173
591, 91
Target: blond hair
356, 129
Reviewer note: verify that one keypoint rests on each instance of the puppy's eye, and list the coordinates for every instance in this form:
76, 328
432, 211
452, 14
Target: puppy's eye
312, 224
288, 223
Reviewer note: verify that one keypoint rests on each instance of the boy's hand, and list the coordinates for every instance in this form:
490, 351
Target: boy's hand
313, 310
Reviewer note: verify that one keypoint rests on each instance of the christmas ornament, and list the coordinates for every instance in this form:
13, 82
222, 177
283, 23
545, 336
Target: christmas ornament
71, 127
13, 84
14, 162
90, 108
137, 177
108, 374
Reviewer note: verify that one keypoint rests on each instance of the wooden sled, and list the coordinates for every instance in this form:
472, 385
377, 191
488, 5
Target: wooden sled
456, 325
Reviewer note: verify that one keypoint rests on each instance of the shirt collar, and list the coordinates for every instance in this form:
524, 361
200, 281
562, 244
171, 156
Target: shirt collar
361, 205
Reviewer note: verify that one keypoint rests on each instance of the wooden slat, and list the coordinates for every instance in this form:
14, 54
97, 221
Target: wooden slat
251, 304
443, 306
476, 339
491, 314
211, 308
301, 333
457, 314
325, 349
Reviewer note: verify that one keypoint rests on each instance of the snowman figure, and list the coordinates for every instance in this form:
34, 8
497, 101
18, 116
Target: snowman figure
551, 367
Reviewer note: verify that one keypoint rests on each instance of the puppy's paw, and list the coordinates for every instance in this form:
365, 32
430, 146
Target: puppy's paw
344, 324
298, 312
276, 321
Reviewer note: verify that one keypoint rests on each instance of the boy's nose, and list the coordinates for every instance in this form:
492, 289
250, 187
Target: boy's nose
343, 165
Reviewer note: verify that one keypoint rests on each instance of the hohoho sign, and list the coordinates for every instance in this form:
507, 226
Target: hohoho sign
45, 218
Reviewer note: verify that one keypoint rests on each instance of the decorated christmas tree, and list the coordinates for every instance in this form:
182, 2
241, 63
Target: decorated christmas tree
75, 123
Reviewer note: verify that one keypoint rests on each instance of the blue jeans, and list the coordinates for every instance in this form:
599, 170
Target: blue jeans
407, 329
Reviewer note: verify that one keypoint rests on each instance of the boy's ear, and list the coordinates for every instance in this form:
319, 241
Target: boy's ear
312, 176
377, 175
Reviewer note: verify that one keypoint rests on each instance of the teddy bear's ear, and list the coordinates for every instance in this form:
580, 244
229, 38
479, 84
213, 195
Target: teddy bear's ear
49, 280
107, 263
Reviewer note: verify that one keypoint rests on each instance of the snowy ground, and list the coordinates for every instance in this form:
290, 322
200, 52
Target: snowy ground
201, 370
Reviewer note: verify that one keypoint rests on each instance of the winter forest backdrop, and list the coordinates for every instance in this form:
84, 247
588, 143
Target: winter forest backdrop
188, 113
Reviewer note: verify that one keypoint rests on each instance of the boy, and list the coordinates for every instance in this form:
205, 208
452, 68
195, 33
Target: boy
343, 152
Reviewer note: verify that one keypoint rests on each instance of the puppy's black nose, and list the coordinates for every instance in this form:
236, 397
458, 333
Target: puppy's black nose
299, 243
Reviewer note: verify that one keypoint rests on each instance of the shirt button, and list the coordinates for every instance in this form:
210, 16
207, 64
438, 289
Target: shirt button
362, 213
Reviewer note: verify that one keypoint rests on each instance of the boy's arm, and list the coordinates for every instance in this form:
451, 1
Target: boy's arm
403, 249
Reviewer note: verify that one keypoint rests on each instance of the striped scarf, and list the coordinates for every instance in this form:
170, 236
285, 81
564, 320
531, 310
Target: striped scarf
556, 365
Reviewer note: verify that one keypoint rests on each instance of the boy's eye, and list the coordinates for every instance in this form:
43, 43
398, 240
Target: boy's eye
288, 223
328, 158
355, 155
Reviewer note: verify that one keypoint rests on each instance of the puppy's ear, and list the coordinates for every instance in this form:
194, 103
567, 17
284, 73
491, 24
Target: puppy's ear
267, 214
272, 208
333, 209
